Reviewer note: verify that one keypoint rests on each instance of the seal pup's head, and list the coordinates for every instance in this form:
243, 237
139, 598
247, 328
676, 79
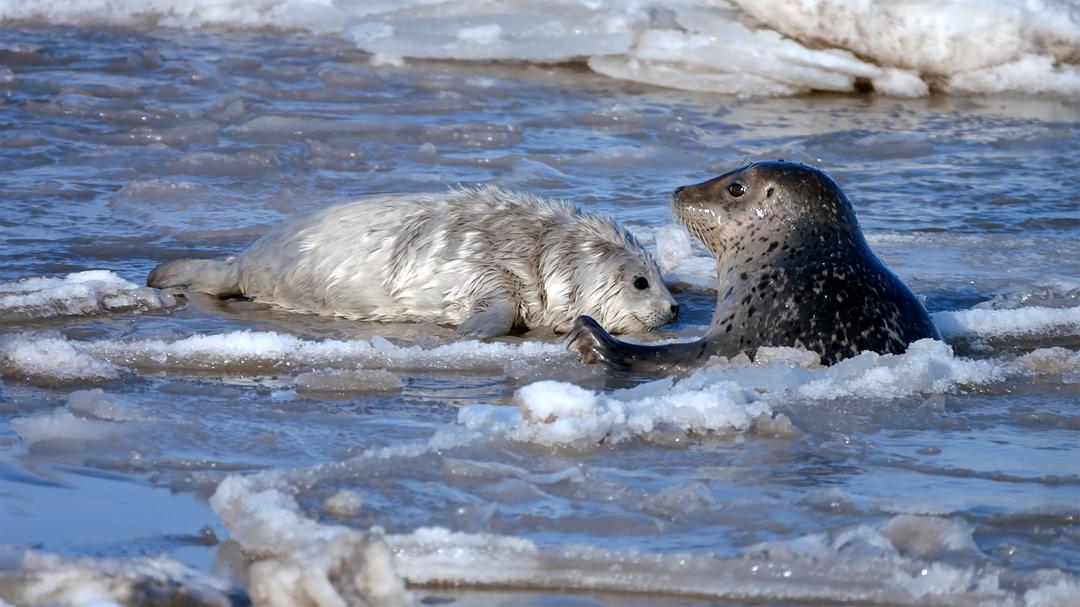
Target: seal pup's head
765, 208
594, 267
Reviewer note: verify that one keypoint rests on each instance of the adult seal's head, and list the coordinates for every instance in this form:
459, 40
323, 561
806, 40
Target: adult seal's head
793, 269
751, 208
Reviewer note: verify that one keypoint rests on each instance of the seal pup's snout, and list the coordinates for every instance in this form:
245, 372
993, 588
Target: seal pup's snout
668, 314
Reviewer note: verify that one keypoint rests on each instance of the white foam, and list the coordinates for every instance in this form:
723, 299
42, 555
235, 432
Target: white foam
78, 294
742, 47
1027, 321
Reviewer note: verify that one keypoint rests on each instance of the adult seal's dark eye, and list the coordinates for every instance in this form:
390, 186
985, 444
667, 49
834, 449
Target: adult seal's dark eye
736, 189
641, 283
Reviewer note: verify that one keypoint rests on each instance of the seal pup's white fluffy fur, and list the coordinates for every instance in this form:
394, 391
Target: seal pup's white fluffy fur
484, 259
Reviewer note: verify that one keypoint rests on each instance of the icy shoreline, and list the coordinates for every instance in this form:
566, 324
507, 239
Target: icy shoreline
742, 47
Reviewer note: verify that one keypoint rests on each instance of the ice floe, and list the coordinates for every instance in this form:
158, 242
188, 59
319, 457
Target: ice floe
40, 579
298, 561
1034, 320
78, 294
90, 415
51, 358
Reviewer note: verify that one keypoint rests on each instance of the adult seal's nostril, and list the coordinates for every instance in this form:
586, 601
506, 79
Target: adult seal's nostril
675, 309
679, 189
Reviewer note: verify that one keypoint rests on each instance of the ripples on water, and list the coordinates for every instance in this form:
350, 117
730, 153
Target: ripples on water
939, 476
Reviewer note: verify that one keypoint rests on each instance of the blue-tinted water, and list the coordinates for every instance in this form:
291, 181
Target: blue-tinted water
122, 149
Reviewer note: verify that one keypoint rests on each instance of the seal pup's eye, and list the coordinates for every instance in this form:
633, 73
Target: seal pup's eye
641, 283
736, 189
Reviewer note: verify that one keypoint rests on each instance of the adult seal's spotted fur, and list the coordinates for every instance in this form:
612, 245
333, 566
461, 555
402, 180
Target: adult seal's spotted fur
489, 261
793, 269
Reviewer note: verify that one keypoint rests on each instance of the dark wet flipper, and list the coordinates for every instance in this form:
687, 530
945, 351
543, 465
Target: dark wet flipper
597, 346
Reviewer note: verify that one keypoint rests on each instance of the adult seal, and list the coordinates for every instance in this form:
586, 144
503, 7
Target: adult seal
793, 270
487, 260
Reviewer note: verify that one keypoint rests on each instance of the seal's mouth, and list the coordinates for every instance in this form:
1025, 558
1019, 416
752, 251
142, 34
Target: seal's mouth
690, 212
703, 220
696, 220
679, 207
658, 318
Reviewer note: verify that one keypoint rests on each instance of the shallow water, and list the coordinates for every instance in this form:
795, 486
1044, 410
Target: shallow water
948, 475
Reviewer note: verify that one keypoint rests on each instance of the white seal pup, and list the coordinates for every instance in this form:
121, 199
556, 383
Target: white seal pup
793, 269
487, 260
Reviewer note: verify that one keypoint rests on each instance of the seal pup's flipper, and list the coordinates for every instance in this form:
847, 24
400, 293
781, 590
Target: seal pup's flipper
595, 345
498, 319
213, 276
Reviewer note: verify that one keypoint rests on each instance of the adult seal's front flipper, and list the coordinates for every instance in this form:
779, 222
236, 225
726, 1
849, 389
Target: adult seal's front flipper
597, 346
